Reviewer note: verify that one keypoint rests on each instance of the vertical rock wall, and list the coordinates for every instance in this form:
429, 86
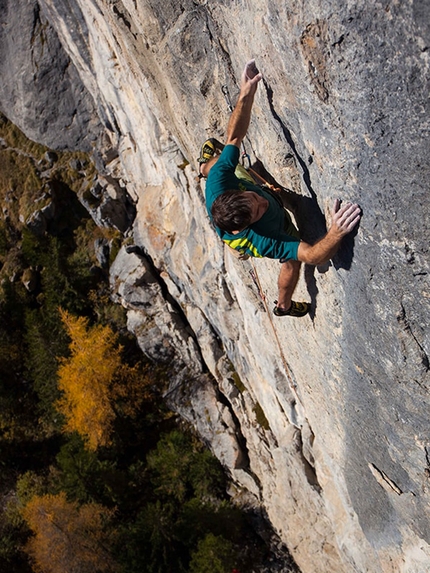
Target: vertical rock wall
323, 420
40, 89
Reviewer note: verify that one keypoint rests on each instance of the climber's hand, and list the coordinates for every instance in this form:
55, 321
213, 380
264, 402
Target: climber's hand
251, 76
345, 218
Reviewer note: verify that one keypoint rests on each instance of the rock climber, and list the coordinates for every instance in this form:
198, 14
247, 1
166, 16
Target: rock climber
251, 219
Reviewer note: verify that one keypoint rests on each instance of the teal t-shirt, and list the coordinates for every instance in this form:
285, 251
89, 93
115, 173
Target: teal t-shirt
267, 236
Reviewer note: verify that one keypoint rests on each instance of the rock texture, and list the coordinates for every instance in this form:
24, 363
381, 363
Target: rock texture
48, 102
324, 421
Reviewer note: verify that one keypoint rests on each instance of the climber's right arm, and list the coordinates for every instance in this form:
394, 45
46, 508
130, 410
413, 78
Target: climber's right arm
344, 220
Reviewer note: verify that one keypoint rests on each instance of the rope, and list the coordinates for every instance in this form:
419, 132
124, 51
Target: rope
264, 299
292, 384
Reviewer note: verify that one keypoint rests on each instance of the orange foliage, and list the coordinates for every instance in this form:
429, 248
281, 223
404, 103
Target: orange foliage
86, 379
68, 538
93, 378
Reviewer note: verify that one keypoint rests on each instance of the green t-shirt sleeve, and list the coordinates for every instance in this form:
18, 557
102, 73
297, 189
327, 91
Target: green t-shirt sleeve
281, 247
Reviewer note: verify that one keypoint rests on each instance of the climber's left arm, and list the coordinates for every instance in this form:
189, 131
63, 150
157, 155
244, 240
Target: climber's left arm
241, 116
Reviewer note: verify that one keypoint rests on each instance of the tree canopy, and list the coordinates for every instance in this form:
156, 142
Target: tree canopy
87, 379
67, 537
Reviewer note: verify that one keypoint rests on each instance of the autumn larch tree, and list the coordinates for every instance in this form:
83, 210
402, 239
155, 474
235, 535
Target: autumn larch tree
93, 377
68, 538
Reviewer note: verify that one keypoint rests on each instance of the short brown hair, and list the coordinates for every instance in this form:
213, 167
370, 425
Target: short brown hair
231, 211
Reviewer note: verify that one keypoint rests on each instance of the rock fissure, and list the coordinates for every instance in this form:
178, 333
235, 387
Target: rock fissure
309, 469
382, 478
168, 297
407, 329
121, 16
245, 462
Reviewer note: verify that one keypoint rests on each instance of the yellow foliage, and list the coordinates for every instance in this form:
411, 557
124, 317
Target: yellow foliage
86, 379
94, 378
68, 538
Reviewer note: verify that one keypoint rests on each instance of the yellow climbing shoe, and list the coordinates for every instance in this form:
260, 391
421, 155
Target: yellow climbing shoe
296, 309
207, 151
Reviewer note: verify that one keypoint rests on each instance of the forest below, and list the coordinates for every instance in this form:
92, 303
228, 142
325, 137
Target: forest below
97, 474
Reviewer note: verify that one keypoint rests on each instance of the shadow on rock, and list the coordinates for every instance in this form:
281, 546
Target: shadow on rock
343, 258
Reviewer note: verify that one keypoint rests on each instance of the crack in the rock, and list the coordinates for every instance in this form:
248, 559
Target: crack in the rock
309, 469
141, 252
241, 440
127, 21
383, 480
403, 321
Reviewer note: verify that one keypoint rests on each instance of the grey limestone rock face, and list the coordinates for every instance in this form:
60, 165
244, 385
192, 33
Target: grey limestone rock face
109, 204
323, 420
40, 89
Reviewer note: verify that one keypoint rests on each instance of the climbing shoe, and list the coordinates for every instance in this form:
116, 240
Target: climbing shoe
296, 309
207, 151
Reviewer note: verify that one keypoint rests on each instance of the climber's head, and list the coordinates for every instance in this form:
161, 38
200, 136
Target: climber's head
235, 210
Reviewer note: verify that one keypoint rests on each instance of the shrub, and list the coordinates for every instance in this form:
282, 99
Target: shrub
214, 554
